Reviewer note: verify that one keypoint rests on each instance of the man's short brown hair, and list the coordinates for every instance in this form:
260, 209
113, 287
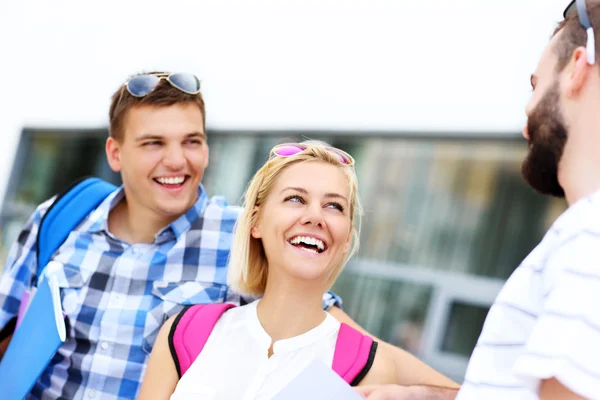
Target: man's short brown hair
163, 95
574, 35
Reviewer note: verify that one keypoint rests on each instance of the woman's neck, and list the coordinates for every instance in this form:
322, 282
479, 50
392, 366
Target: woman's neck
289, 309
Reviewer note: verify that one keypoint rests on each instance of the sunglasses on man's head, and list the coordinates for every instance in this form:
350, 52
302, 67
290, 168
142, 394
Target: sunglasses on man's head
141, 85
292, 149
580, 7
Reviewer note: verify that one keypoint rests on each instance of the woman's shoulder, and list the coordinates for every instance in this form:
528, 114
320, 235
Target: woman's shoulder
382, 371
235, 316
223, 318
229, 320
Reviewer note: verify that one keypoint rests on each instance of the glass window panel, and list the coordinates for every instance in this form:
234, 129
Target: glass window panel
452, 204
394, 311
47, 162
465, 322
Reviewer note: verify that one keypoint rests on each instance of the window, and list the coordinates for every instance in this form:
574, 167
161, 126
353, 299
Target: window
437, 210
464, 326
452, 204
47, 162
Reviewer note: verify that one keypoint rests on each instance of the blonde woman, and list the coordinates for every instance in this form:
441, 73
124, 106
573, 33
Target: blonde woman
298, 229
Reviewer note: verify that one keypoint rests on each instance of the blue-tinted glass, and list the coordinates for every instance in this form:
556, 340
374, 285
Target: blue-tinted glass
142, 85
185, 82
579, 7
582, 11
571, 8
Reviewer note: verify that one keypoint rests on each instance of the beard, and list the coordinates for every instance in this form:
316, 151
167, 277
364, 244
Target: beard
547, 138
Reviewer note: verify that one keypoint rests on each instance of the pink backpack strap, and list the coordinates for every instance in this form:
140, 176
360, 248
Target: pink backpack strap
354, 354
191, 330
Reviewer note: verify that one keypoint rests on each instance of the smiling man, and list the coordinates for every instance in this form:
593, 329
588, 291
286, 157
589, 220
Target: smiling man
152, 247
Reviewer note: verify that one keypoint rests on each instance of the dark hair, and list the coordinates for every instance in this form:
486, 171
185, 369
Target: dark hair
574, 35
163, 95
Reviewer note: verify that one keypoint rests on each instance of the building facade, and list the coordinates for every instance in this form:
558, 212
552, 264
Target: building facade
447, 220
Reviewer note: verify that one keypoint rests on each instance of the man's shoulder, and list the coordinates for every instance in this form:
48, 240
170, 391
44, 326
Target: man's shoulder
575, 233
39, 213
43, 207
218, 207
584, 215
591, 219
580, 233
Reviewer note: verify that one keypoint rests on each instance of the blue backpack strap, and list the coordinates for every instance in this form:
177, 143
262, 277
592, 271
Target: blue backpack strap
67, 211
354, 354
190, 331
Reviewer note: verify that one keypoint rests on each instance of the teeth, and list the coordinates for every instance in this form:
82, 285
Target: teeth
310, 250
171, 181
308, 240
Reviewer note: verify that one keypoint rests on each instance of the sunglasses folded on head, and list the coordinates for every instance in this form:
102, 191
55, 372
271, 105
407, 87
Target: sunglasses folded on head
579, 7
292, 149
142, 85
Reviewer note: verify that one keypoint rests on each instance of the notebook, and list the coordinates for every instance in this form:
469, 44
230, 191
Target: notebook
34, 343
318, 382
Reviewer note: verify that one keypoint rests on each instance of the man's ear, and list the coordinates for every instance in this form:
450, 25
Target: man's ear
255, 230
578, 71
113, 154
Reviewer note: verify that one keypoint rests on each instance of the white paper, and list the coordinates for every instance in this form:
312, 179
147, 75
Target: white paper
318, 382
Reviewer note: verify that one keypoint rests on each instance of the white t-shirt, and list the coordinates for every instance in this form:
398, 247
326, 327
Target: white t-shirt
234, 363
545, 322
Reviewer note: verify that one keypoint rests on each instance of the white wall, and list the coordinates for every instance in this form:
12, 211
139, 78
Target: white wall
434, 65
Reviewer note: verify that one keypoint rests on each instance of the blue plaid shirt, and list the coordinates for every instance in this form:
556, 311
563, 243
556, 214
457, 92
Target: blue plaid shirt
117, 295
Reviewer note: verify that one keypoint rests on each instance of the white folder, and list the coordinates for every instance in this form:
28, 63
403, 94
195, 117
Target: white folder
318, 382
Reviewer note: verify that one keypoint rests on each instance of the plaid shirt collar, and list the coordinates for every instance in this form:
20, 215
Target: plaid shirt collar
98, 219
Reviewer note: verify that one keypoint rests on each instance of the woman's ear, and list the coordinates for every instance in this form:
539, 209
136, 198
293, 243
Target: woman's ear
255, 230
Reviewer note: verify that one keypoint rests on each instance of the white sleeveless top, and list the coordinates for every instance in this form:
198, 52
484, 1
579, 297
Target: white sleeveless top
234, 363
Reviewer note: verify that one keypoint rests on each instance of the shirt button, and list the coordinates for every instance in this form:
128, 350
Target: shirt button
92, 394
104, 346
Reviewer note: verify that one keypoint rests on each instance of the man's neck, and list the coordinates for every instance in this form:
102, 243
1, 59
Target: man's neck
579, 170
289, 309
134, 227
582, 183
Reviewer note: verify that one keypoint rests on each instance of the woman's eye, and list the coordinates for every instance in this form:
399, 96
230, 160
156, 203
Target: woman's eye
295, 199
336, 206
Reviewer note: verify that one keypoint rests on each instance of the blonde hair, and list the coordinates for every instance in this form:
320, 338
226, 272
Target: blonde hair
248, 266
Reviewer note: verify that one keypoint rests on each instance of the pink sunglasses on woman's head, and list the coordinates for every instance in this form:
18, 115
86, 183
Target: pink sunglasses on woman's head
292, 149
